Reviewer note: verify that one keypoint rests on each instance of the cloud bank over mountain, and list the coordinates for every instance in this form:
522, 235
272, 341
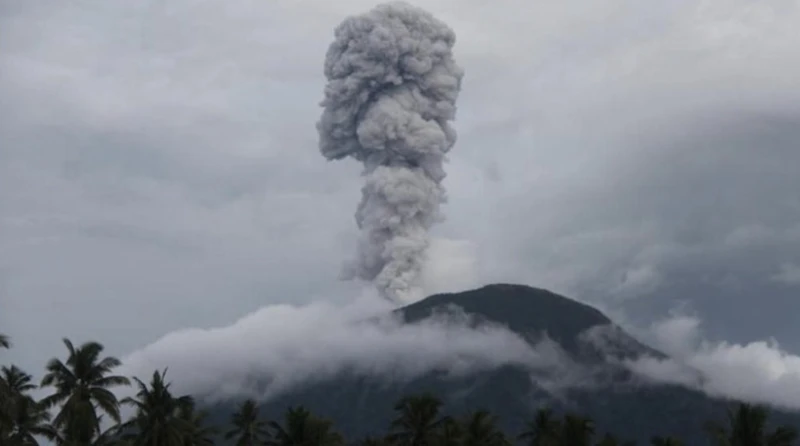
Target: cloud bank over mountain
278, 348
759, 371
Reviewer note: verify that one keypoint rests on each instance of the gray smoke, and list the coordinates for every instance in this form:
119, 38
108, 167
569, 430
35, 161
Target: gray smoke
392, 88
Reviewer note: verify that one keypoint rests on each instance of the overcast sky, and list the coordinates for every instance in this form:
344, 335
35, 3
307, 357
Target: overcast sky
159, 165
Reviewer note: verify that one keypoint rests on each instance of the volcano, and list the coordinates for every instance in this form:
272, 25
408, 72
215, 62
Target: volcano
603, 389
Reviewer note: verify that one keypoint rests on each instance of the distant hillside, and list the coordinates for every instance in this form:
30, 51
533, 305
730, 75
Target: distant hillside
531, 312
363, 405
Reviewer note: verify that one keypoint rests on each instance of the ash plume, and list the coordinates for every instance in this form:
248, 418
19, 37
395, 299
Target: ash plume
392, 87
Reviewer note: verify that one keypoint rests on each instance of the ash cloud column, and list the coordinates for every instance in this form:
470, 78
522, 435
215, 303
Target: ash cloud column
392, 87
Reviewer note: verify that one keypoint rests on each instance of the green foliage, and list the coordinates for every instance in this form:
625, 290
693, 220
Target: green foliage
747, 426
82, 396
82, 391
576, 431
665, 441
301, 428
417, 422
199, 432
372, 441
450, 433
543, 430
248, 429
480, 429
160, 418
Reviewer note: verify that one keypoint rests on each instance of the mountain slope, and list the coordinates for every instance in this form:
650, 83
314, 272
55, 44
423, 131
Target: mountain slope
522, 309
531, 312
620, 404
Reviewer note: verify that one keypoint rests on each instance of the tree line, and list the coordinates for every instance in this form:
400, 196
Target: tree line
81, 400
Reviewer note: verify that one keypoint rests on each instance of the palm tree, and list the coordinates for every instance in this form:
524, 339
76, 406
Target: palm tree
81, 388
5, 400
13, 382
323, 434
31, 419
303, 429
372, 441
543, 430
449, 433
108, 437
608, 440
16, 381
5, 403
157, 421
6, 412
417, 422
576, 431
747, 426
21, 417
665, 441
480, 430
6, 420
200, 433
248, 429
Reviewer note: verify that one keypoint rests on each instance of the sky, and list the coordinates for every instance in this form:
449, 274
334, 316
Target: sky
159, 168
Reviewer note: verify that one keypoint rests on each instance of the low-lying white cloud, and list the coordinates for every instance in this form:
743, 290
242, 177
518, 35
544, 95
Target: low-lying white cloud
280, 346
758, 371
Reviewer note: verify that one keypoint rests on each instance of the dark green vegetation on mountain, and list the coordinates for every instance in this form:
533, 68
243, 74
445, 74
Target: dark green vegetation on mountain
499, 407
